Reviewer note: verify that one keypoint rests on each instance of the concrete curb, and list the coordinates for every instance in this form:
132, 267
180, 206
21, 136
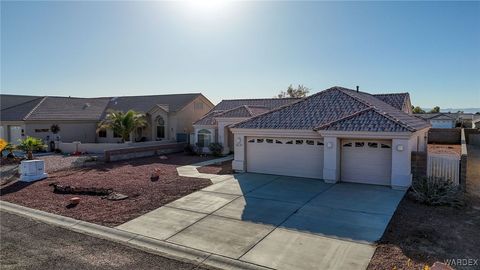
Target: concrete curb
144, 243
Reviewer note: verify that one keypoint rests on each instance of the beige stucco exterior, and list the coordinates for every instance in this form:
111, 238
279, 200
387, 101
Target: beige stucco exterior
86, 131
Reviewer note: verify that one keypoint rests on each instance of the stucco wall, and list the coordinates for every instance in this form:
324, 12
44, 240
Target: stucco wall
183, 120
69, 131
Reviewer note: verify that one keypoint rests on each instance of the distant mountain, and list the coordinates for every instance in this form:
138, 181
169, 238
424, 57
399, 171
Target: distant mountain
465, 110
454, 110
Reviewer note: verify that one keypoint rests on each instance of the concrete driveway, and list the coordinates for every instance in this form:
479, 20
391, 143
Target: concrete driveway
277, 221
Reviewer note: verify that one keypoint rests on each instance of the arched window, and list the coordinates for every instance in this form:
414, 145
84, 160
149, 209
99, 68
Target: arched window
204, 138
160, 128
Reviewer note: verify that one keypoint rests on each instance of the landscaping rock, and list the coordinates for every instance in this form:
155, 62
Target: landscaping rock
115, 196
163, 157
74, 200
81, 190
440, 266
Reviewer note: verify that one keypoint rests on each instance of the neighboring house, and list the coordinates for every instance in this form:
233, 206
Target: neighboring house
215, 125
169, 117
476, 123
440, 120
336, 135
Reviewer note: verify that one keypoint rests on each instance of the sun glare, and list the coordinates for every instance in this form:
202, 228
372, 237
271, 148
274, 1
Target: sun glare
207, 7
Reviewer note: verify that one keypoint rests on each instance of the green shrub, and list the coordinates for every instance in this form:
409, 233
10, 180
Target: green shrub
437, 191
216, 149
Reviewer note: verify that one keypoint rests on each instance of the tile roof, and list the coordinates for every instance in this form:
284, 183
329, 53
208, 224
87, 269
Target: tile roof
7, 100
16, 111
339, 109
270, 103
18, 108
67, 108
243, 108
396, 100
142, 104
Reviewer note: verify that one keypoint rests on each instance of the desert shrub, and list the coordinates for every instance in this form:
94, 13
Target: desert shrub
216, 149
437, 191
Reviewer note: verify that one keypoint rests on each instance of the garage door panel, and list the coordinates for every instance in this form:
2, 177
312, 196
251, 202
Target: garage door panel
366, 162
278, 157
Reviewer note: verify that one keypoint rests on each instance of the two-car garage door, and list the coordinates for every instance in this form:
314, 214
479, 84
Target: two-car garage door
361, 161
366, 161
282, 156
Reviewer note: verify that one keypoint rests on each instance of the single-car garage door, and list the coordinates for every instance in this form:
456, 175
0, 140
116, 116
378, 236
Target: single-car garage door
282, 156
366, 161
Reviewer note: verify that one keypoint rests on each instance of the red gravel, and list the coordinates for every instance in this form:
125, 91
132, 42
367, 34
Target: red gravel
131, 178
222, 168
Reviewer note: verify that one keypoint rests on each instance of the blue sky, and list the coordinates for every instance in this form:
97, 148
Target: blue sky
242, 49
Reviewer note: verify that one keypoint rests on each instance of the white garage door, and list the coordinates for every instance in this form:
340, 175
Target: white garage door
292, 156
364, 161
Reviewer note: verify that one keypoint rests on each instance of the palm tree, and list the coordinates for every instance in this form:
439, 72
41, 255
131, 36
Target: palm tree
29, 145
123, 123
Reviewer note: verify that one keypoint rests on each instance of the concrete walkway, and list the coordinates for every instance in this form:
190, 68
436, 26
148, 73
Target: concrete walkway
274, 221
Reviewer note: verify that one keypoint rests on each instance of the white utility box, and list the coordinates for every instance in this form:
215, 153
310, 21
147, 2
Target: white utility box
32, 170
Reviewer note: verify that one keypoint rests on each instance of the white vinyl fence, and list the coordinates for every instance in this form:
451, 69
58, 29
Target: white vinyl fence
446, 166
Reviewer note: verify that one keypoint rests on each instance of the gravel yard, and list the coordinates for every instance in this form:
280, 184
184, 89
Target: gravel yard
131, 178
222, 168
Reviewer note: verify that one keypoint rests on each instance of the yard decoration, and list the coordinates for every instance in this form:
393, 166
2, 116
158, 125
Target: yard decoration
123, 123
155, 174
3, 144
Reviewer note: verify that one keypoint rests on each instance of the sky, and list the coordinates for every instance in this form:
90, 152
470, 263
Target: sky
231, 50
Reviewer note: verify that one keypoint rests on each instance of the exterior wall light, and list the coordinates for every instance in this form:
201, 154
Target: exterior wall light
329, 145
400, 147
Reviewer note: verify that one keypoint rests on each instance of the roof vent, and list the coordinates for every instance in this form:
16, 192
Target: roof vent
86, 105
358, 88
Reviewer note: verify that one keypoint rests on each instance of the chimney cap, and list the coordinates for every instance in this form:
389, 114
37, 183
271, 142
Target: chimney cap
358, 88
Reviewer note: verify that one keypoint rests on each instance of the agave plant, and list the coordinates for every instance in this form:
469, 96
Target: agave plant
29, 145
123, 123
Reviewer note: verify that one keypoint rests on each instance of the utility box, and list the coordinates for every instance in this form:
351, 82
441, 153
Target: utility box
32, 170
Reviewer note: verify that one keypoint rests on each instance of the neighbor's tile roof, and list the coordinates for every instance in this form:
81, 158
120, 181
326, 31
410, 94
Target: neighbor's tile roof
396, 100
339, 109
18, 110
68, 108
7, 100
143, 104
243, 108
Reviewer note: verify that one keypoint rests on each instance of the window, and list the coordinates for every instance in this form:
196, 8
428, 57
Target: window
251, 140
160, 128
347, 144
359, 144
259, 140
102, 133
204, 138
310, 142
289, 142
298, 141
198, 106
384, 145
42, 130
269, 140
319, 143
373, 144
278, 142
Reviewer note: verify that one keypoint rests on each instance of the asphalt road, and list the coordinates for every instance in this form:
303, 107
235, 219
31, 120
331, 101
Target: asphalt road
29, 244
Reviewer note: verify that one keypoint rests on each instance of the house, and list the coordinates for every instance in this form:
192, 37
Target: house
337, 135
440, 120
215, 125
169, 117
